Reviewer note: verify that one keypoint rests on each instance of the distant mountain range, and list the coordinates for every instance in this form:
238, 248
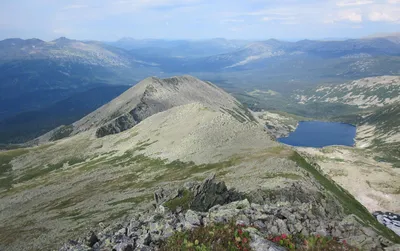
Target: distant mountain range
35, 75
180, 48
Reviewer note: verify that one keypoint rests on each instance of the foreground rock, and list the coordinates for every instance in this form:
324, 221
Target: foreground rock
200, 204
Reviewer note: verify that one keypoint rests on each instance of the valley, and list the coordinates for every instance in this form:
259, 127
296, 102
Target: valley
35, 74
99, 148
374, 110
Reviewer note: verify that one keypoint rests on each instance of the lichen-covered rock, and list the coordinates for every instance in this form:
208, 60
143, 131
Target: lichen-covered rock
210, 193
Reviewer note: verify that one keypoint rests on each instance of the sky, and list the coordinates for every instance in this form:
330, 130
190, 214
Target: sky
109, 20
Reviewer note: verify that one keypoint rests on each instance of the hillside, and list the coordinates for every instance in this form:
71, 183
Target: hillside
362, 93
35, 74
380, 131
29, 125
370, 103
151, 96
56, 191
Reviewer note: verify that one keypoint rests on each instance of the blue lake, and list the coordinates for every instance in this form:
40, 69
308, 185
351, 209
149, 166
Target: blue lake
320, 134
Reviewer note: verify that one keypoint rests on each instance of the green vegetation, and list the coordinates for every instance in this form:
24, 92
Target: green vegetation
75, 160
133, 200
6, 175
386, 119
349, 203
286, 104
62, 132
238, 116
311, 243
183, 200
246, 111
387, 152
7, 157
214, 237
37, 172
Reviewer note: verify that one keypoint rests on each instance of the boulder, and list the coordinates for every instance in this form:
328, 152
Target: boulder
210, 193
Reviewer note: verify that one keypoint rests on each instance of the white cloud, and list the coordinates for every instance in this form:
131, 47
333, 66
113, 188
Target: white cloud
393, 1
348, 3
376, 16
347, 16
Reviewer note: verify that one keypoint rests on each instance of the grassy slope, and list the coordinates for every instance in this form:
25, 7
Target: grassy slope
175, 171
386, 120
349, 203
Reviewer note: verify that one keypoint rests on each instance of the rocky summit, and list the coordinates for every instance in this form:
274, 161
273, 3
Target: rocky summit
171, 158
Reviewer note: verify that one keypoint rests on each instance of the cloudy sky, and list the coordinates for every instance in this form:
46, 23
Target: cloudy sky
197, 19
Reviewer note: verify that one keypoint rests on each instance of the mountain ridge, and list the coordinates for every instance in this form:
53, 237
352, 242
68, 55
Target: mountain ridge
153, 95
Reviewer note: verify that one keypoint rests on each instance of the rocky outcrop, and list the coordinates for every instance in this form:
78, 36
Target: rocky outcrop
118, 125
148, 230
202, 196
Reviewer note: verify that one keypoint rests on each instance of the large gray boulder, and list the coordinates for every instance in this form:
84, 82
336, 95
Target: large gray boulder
211, 193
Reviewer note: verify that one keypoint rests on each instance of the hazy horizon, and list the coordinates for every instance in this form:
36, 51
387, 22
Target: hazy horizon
211, 38
107, 20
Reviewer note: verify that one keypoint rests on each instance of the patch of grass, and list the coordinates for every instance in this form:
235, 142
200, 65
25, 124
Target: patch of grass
33, 173
132, 135
93, 164
75, 160
77, 215
74, 214
64, 204
62, 132
7, 156
117, 215
183, 200
214, 237
58, 165
9, 234
276, 149
310, 243
246, 111
133, 200
348, 202
238, 117
6, 182
6, 174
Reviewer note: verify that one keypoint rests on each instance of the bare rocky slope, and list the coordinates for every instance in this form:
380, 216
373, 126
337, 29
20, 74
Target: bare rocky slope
59, 190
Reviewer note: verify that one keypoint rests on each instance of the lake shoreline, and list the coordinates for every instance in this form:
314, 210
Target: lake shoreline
319, 134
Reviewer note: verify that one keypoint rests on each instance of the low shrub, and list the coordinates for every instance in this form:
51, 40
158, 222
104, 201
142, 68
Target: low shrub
214, 237
310, 243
